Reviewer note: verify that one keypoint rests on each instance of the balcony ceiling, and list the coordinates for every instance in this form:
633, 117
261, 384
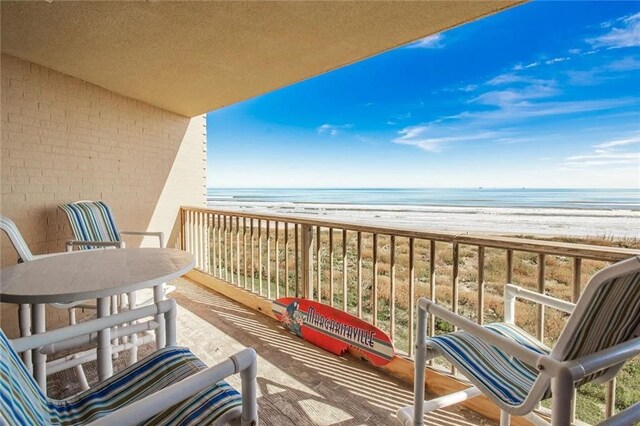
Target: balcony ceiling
194, 57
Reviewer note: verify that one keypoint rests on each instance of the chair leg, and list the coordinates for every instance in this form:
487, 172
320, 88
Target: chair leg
133, 339
562, 395
505, 418
72, 316
24, 323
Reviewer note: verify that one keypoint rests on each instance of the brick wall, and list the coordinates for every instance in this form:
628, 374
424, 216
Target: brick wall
64, 140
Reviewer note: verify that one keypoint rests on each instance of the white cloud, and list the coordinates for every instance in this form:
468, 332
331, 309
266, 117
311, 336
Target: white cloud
333, 129
556, 60
617, 152
625, 32
434, 41
434, 139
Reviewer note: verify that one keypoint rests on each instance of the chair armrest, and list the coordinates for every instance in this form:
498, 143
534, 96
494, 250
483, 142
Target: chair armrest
243, 362
511, 292
512, 348
160, 235
72, 243
167, 307
606, 358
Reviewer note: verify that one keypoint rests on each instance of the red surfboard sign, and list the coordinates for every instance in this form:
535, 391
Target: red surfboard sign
332, 329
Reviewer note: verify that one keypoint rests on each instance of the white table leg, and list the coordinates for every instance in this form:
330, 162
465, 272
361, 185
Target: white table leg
133, 339
158, 295
105, 367
39, 360
24, 321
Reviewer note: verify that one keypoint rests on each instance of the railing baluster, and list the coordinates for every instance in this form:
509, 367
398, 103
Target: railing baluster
238, 281
331, 267
268, 260
260, 257
509, 267
412, 277
455, 280
455, 277
344, 270
577, 272
207, 244
307, 262
480, 284
319, 262
432, 283
610, 398
182, 229
359, 249
219, 239
540, 313
297, 258
226, 248
253, 263
392, 292
212, 242
286, 259
277, 259
244, 250
231, 250
374, 295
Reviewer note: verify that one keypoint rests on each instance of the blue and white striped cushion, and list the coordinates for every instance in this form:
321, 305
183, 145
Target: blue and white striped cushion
23, 402
91, 221
506, 378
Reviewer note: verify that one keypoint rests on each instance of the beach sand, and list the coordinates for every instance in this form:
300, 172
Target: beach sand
486, 220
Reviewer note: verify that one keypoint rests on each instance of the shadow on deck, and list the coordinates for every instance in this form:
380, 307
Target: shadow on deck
298, 383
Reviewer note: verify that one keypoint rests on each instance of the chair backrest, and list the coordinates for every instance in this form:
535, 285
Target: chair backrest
91, 221
607, 314
16, 239
21, 400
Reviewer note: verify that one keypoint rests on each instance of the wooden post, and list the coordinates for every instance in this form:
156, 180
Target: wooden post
480, 284
374, 295
331, 267
392, 291
318, 263
540, 313
345, 295
432, 283
412, 276
307, 262
359, 276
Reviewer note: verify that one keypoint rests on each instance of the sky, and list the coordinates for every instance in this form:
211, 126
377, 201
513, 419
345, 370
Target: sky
544, 95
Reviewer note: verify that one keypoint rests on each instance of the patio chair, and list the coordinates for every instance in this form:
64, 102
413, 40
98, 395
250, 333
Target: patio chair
171, 386
25, 255
516, 371
94, 227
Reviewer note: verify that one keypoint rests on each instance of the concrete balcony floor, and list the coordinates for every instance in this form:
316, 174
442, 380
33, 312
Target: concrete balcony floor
298, 383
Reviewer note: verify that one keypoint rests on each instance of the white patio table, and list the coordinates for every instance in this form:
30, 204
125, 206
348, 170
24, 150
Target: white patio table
90, 274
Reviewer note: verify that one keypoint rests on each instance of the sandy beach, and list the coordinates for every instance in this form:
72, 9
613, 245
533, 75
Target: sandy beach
488, 220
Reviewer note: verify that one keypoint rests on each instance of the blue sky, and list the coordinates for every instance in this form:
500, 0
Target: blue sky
546, 94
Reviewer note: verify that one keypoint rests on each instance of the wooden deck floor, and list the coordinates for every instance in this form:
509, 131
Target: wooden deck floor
298, 383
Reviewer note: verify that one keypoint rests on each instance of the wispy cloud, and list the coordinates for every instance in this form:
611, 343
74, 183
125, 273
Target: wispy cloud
624, 32
333, 129
435, 41
618, 152
556, 60
432, 139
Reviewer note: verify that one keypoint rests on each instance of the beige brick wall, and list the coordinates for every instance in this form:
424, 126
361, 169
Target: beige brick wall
64, 140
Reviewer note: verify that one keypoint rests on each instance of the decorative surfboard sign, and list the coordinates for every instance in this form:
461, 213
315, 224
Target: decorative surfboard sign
332, 329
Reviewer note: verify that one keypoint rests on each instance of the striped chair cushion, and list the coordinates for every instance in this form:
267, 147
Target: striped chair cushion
91, 221
23, 402
505, 377
612, 317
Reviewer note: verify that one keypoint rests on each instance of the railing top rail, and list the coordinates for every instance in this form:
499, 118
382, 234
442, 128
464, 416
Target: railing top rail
609, 254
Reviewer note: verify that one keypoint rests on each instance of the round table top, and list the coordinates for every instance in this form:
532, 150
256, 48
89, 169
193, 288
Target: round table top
91, 274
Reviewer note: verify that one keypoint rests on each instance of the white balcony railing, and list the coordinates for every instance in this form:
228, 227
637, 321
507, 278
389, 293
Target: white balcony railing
377, 273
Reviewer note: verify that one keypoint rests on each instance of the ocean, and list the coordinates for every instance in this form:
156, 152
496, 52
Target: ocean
517, 211
610, 199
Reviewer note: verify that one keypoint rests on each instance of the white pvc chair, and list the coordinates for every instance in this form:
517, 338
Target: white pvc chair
94, 227
171, 386
516, 371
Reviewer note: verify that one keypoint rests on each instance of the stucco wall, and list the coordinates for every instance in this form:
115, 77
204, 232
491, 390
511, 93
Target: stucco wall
64, 140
